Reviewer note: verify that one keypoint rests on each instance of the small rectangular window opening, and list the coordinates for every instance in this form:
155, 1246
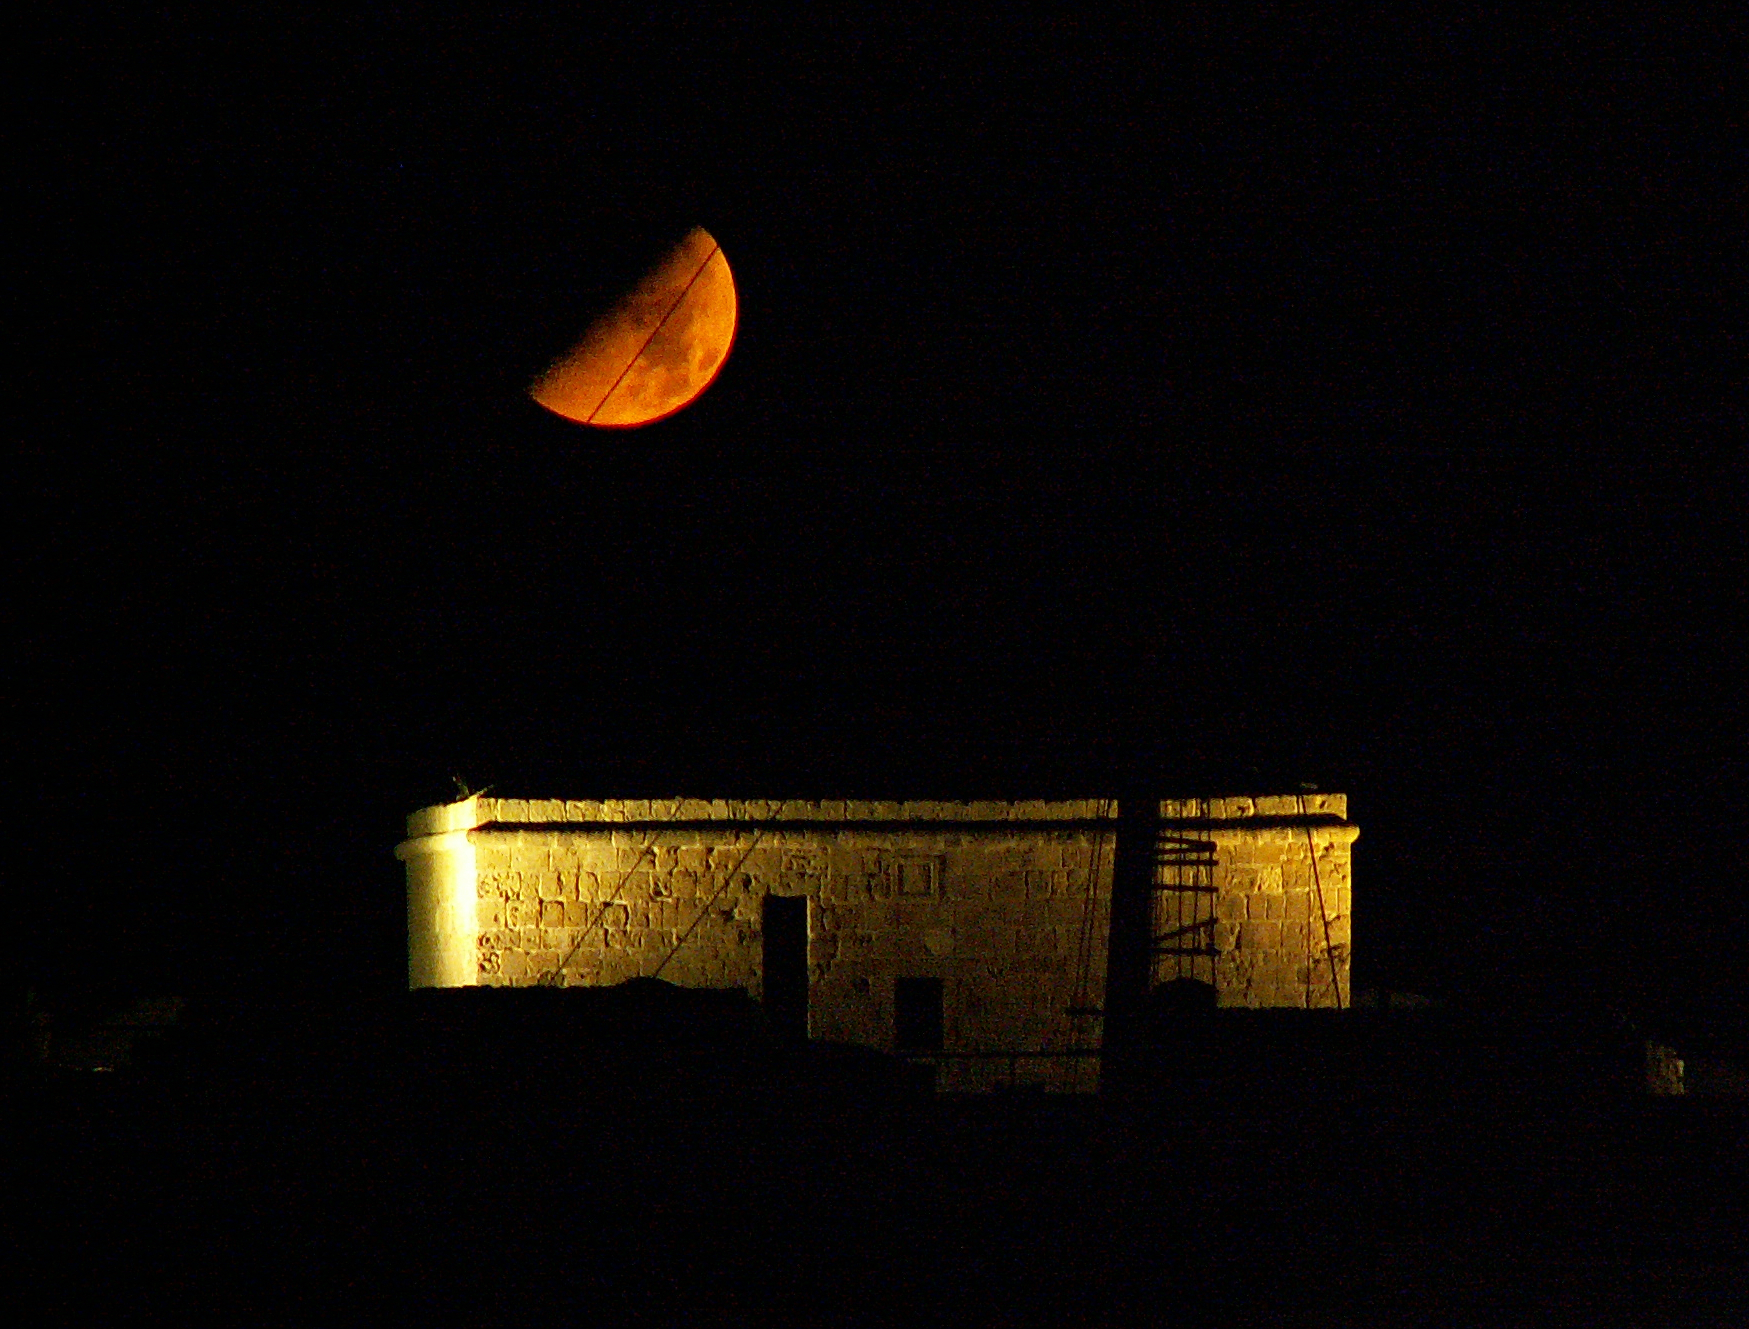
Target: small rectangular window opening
917, 1019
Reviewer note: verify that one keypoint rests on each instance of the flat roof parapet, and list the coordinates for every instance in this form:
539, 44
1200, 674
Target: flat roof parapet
477, 811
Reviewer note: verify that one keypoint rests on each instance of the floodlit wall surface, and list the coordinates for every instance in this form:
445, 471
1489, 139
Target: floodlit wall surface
1005, 903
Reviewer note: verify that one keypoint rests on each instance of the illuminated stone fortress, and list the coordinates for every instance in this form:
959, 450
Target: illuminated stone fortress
971, 931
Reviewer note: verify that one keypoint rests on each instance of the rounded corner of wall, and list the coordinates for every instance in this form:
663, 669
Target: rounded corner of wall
442, 895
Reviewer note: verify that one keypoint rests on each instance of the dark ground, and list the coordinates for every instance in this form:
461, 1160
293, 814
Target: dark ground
309, 1181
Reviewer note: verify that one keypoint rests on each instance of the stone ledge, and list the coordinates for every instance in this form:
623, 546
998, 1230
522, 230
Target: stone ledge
1244, 807
1214, 813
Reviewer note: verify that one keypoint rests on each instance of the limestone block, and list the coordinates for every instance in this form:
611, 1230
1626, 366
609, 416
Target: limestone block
1030, 914
856, 948
1230, 908
1259, 936
556, 939
804, 863
918, 911
1250, 850
490, 853
1258, 994
1070, 911
896, 947
975, 913
990, 940
1044, 942
851, 890
615, 916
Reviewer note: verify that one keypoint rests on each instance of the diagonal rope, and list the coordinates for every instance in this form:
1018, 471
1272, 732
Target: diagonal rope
1323, 913
1089, 913
699, 918
553, 977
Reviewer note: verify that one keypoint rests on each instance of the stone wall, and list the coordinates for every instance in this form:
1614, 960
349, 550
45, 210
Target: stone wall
1005, 903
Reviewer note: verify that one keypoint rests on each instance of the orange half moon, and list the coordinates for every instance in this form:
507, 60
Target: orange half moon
656, 350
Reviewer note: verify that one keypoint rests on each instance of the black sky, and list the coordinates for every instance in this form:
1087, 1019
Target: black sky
1251, 405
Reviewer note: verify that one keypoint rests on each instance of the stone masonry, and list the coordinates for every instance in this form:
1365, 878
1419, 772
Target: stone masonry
1005, 903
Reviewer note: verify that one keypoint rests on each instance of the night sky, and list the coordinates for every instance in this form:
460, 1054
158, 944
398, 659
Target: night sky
1229, 407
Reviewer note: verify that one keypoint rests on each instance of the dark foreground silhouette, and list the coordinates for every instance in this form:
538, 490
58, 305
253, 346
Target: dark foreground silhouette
649, 1155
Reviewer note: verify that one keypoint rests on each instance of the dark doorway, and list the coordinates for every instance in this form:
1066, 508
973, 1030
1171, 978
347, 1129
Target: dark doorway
917, 1024
786, 964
